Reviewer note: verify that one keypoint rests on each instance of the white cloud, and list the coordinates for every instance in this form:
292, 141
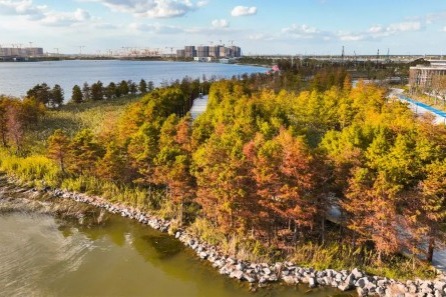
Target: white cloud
301, 30
153, 8
155, 28
351, 37
220, 23
21, 7
243, 11
65, 18
306, 32
42, 14
376, 29
404, 27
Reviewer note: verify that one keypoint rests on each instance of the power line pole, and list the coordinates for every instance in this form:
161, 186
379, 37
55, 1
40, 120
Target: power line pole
80, 49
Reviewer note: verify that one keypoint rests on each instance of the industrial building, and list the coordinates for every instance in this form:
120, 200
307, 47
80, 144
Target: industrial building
423, 78
21, 52
208, 53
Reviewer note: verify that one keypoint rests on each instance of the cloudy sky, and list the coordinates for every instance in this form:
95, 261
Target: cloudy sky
258, 26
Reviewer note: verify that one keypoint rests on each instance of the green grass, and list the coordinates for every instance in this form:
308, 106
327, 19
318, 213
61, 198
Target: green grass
97, 116
340, 256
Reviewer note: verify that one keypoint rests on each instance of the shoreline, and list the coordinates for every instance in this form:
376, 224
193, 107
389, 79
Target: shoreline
252, 272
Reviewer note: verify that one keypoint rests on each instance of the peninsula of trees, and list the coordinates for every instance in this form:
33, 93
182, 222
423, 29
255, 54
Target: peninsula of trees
275, 164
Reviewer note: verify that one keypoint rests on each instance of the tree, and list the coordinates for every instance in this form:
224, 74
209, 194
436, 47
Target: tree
76, 96
110, 90
40, 92
112, 166
57, 96
14, 125
133, 88
58, 148
96, 91
4, 121
123, 88
142, 86
371, 209
431, 207
85, 151
150, 86
86, 92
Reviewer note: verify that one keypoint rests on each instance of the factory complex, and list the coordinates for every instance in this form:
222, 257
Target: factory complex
204, 53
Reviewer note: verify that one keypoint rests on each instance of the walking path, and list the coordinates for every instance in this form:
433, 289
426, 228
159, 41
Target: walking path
199, 106
419, 107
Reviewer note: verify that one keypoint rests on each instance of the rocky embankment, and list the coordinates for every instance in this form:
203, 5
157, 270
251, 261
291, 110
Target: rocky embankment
263, 273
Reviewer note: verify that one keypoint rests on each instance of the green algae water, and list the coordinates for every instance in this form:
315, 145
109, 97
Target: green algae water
42, 255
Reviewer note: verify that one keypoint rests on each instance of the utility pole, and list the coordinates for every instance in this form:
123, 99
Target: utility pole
80, 49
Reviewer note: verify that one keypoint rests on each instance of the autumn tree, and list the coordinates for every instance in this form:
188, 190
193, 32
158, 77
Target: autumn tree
84, 152
58, 148
112, 166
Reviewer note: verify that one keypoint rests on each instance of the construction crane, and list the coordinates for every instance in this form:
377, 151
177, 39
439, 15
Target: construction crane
171, 49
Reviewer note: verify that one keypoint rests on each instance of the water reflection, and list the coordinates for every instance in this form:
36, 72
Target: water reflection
41, 255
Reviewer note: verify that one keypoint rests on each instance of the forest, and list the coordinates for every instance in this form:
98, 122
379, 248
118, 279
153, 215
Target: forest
319, 172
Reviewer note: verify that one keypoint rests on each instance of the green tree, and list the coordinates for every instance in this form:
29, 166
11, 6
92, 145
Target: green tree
86, 92
40, 92
142, 86
123, 88
110, 90
96, 91
76, 96
57, 96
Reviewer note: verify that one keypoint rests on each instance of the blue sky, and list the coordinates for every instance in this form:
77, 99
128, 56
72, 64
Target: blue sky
258, 26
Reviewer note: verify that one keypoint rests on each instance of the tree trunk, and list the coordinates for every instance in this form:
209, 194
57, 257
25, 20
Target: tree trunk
323, 230
430, 249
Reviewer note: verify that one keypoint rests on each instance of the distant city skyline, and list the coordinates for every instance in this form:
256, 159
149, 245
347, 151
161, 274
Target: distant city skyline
258, 26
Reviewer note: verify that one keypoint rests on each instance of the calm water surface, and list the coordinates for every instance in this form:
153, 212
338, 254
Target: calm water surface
44, 256
18, 77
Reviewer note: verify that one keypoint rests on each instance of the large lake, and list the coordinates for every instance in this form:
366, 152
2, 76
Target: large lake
18, 77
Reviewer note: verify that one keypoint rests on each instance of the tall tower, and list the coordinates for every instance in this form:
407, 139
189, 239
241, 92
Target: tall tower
342, 55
